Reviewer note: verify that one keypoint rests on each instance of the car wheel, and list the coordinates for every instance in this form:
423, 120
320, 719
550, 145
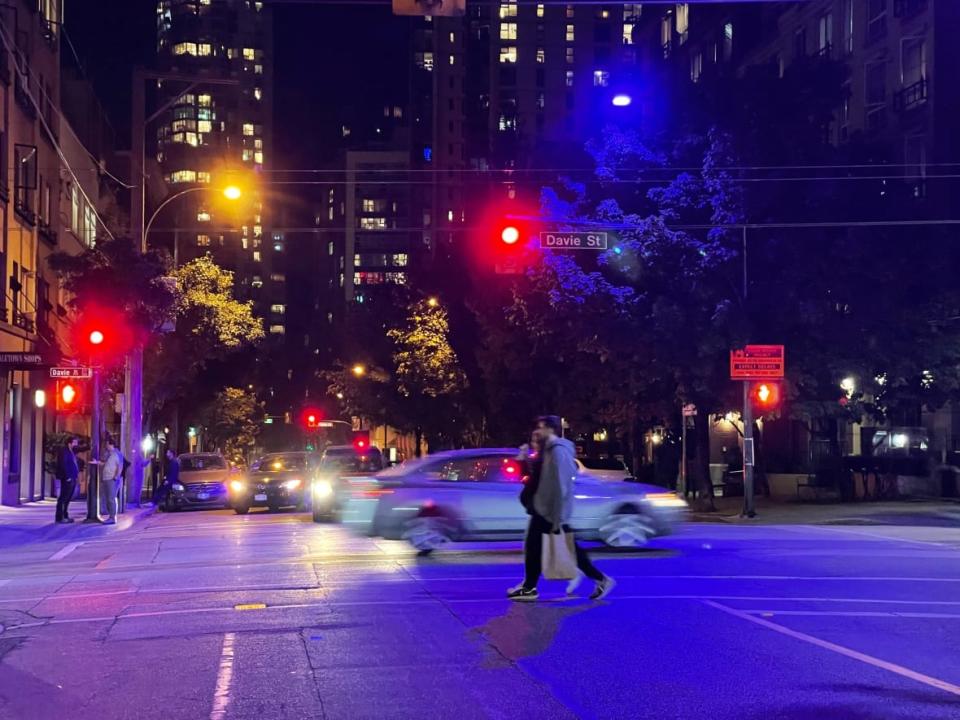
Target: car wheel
428, 531
169, 505
627, 527
241, 509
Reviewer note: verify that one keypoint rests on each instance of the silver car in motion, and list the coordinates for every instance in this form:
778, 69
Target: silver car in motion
474, 495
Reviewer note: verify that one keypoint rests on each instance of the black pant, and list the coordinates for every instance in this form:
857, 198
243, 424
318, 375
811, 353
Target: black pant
533, 553
67, 488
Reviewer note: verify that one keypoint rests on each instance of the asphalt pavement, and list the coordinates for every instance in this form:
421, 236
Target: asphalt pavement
212, 615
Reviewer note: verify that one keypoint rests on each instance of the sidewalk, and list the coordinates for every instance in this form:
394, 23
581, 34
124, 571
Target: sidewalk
34, 522
944, 513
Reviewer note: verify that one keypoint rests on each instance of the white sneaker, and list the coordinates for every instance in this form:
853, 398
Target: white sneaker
515, 588
575, 583
603, 588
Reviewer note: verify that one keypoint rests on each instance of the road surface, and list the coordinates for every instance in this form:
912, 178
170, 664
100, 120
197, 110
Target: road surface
211, 615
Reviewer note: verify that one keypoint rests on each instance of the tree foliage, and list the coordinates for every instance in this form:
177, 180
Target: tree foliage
232, 422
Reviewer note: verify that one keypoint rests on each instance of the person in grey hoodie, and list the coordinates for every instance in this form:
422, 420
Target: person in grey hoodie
551, 511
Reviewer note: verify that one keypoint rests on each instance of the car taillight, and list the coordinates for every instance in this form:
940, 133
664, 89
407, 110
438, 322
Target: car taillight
511, 468
373, 492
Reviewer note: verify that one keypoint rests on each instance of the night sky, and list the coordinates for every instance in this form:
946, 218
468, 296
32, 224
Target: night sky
335, 63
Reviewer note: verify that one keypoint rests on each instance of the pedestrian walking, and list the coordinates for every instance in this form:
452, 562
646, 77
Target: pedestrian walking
67, 472
173, 476
550, 510
111, 475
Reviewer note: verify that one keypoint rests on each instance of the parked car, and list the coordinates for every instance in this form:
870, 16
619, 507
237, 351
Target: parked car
340, 467
275, 481
473, 495
609, 469
203, 482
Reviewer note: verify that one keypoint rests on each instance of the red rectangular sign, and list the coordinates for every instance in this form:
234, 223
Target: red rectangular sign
757, 362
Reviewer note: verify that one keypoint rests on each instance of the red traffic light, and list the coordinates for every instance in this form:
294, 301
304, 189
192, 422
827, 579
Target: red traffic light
68, 396
510, 235
361, 440
312, 417
96, 337
765, 395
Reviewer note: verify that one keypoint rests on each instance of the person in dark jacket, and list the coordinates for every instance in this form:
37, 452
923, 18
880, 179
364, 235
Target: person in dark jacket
67, 472
173, 476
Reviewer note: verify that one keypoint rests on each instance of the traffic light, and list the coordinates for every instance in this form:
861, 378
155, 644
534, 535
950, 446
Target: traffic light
765, 396
361, 440
69, 396
312, 418
510, 234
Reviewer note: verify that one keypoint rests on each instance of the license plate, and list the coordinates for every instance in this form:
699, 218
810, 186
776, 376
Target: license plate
203, 496
260, 498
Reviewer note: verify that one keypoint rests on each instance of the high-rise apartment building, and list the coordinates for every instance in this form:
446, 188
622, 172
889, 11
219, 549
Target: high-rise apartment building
214, 127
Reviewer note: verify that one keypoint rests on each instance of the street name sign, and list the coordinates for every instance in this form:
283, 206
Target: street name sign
757, 362
71, 373
573, 241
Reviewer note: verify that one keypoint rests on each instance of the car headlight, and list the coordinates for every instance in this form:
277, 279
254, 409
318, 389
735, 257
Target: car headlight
177, 487
291, 484
666, 500
237, 485
322, 488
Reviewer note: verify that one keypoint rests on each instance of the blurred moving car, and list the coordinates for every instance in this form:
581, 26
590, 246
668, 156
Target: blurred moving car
203, 482
340, 467
275, 481
473, 495
608, 469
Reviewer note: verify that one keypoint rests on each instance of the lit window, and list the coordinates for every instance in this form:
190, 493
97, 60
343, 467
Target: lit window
541, 55
203, 240
179, 176
727, 41
256, 256
569, 11
246, 155
204, 126
203, 216
278, 277
508, 31
605, 14
570, 33
249, 54
185, 48
203, 177
258, 93
453, 37
601, 78
683, 21
258, 144
258, 157
258, 69
204, 101
696, 66
508, 54
569, 78
204, 49
508, 10
451, 59
540, 10
666, 34
373, 223
450, 215
628, 33
248, 128
278, 309
256, 282
277, 330
569, 55
424, 60
372, 205
258, 230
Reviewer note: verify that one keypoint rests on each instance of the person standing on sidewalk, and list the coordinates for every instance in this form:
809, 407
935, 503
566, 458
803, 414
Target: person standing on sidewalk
67, 472
551, 510
110, 478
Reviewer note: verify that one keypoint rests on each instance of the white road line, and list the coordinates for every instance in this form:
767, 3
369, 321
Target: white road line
841, 650
888, 538
64, 551
854, 613
221, 694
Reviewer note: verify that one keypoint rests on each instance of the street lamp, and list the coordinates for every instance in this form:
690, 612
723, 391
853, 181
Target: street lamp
230, 192
433, 302
621, 100
359, 370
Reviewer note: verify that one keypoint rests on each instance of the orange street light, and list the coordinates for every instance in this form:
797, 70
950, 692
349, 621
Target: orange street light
232, 192
359, 370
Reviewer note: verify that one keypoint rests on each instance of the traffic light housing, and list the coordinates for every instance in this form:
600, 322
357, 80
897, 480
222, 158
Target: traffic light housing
765, 396
69, 396
361, 440
312, 418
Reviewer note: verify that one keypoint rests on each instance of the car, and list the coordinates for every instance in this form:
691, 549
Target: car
202, 483
609, 469
340, 467
275, 481
473, 495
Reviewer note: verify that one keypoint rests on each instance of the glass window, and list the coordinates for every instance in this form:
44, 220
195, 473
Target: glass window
540, 10
825, 34
696, 66
278, 308
728, 41
571, 34
204, 49
179, 176
569, 55
847, 20
184, 48
508, 31
508, 10
541, 55
508, 54
913, 61
569, 11
683, 21
628, 33
569, 78
249, 54
373, 223
601, 78
203, 240
277, 329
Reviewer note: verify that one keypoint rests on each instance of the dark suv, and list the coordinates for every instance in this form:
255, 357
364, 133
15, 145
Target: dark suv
275, 481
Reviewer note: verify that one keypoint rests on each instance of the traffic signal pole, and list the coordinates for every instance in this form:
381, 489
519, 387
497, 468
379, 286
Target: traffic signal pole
747, 415
93, 467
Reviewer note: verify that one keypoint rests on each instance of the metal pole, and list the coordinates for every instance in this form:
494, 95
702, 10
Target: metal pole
748, 509
93, 467
682, 490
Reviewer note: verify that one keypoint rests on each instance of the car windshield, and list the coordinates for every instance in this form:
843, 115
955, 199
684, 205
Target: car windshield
282, 462
369, 462
202, 462
602, 463
408, 467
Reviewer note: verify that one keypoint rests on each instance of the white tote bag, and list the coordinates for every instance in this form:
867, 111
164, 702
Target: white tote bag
559, 556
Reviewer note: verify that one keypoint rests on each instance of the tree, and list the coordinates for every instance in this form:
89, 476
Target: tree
232, 422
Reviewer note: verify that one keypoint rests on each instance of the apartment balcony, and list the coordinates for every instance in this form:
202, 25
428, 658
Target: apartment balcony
910, 97
24, 321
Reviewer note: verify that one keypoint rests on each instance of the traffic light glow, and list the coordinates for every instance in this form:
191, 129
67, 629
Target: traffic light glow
96, 337
510, 235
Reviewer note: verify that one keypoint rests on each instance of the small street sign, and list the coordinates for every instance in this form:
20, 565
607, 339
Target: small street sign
689, 410
71, 373
757, 362
573, 241
325, 424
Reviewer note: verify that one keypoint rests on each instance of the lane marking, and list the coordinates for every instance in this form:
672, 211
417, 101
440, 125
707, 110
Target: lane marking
250, 606
221, 693
854, 613
840, 650
64, 551
888, 538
